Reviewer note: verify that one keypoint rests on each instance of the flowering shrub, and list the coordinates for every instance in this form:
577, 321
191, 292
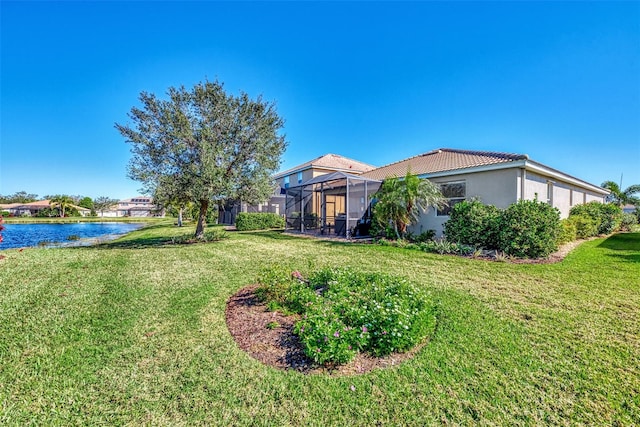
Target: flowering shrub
345, 312
1, 228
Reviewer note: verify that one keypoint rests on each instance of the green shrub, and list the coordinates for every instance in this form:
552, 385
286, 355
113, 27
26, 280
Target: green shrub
473, 223
567, 232
246, 221
607, 216
585, 225
344, 312
425, 236
529, 229
628, 221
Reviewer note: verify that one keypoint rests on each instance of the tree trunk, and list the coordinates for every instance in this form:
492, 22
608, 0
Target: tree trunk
204, 205
180, 217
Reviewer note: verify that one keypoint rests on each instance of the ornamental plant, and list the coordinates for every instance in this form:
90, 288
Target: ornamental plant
473, 223
1, 227
344, 312
529, 229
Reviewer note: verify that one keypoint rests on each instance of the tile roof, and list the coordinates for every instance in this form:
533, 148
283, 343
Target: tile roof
330, 161
440, 160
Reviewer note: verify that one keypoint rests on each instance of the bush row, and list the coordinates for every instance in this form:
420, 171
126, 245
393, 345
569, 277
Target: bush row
530, 228
246, 221
526, 229
344, 312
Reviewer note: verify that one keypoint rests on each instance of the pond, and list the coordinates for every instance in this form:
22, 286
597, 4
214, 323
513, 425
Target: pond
56, 235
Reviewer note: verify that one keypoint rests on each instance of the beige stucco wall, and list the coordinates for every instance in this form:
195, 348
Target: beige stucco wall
535, 187
498, 188
564, 195
502, 188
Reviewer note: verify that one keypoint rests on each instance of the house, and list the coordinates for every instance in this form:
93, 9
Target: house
140, 206
498, 179
34, 208
320, 166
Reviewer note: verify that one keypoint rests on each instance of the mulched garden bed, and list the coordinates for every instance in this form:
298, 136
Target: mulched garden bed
248, 321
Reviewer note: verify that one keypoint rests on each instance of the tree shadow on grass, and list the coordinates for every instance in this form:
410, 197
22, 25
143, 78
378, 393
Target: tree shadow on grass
629, 258
622, 242
273, 235
628, 242
319, 240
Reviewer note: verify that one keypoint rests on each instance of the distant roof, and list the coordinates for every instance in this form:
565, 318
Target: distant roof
440, 160
330, 161
138, 199
38, 203
9, 205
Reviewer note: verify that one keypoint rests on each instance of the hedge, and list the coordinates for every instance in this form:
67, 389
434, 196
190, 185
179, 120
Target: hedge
246, 221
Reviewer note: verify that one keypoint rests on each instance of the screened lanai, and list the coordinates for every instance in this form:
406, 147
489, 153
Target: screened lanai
334, 204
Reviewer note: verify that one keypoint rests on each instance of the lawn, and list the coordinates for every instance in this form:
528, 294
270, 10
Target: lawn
133, 332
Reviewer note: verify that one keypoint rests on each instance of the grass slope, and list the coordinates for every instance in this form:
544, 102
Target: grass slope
133, 332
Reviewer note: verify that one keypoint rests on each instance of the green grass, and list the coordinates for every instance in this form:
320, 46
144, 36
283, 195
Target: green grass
133, 332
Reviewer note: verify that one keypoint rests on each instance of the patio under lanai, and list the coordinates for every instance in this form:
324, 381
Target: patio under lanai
334, 204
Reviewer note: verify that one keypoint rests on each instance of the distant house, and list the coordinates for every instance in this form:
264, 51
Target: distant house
499, 179
294, 176
34, 208
140, 206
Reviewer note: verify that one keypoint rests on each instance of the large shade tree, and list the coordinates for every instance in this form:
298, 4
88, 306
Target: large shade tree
204, 145
622, 197
400, 201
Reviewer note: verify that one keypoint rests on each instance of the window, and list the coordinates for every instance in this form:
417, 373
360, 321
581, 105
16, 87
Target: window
453, 192
299, 177
550, 192
286, 182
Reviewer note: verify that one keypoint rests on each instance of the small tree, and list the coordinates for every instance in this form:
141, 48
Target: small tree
400, 201
104, 203
168, 193
209, 145
87, 203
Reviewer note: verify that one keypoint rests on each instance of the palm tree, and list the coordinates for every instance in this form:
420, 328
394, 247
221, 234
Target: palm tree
622, 197
62, 202
400, 201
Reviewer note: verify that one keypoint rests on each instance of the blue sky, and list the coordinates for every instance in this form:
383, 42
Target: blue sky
377, 82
